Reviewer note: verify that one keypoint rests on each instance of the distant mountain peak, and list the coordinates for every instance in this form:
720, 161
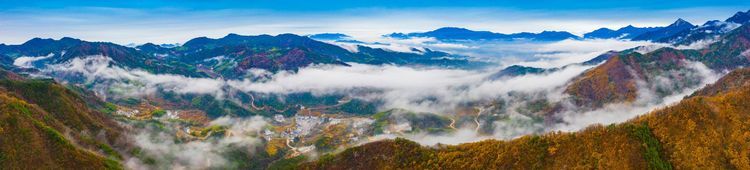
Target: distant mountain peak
286, 35
740, 17
232, 35
38, 40
41, 41
680, 22
516, 70
712, 22
547, 32
673, 29
457, 33
330, 36
602, 29
149, 44
627, 32
455, 30
69, 39
452, 29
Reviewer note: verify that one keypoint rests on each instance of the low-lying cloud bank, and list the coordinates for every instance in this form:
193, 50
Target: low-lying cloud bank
647, 101
160, 149
419, 89
408, 88
574, 119
527, 53
107, 78
432, 90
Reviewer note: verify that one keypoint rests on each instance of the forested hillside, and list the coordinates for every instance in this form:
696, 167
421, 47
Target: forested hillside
706, 130
44, 125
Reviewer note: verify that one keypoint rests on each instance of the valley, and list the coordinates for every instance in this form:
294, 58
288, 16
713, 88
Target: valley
665, 97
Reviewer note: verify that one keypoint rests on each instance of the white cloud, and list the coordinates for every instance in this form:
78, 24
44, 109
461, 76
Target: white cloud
565, 52
457, 137
573, 119
327, 78
101, 71
419, 89
700, 44
647, 101
197, 153
405, 87
26, 62
526, 53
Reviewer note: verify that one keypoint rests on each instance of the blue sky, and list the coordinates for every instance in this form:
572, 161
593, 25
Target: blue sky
163, 21
322, 5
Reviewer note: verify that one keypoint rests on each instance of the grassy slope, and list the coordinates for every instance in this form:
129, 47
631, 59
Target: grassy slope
706, 131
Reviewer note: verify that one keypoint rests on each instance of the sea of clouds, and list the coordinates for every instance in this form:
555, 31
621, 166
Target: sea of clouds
420, 89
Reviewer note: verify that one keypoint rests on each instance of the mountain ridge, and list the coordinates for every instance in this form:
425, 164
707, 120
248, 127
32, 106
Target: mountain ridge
456, 33
677, 26
615, 80
627, 32
230, 56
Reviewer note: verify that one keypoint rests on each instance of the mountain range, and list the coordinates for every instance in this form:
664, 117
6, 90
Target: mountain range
615, 80
708, 30
454, 33
60, 123
229, 57
670, 30
679, 32
628, 32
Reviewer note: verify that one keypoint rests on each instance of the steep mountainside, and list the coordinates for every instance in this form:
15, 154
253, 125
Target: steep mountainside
45, 125
616, 79
707, 130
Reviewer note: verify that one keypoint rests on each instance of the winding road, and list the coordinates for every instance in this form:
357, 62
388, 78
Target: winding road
476, 119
